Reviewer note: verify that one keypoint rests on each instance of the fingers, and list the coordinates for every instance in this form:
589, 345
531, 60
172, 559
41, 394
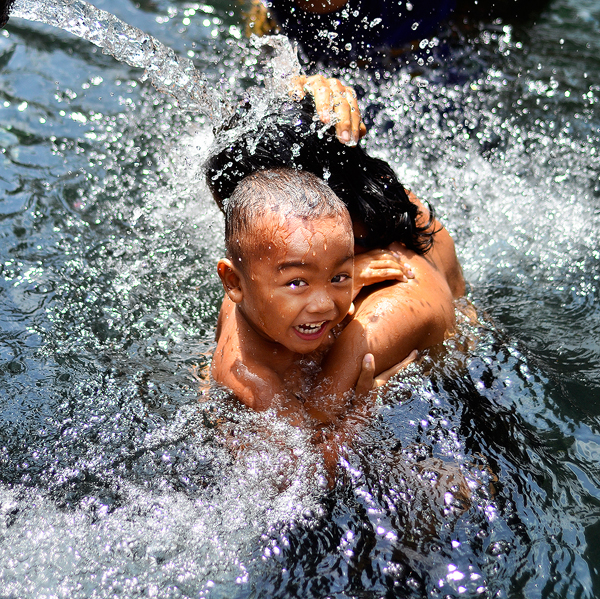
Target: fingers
376, 273
349, 112
387, 262
392, 269
357, 127
335, 104
376, 266
349, 126
365, 379
325, 100
342, 112
384, 377
378, 253
379, 275
379, 258
296, 90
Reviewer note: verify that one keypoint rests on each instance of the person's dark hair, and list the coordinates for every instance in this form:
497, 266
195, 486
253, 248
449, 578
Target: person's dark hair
288, 192
293, 137
5, 6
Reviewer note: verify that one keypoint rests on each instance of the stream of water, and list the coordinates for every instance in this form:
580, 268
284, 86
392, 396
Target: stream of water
116, 482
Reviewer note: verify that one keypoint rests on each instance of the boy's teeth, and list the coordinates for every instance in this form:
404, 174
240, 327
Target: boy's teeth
310, 328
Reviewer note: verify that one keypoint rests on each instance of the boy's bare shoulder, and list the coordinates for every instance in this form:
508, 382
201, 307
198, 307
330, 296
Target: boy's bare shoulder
251, 380
246, 372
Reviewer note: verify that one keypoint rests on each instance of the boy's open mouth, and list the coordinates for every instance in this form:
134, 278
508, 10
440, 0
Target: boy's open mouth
312, 330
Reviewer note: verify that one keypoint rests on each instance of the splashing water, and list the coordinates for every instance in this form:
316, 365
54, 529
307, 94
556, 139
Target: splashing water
167, 71
116, 482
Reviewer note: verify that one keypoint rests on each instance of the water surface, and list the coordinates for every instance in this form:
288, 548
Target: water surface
116, 482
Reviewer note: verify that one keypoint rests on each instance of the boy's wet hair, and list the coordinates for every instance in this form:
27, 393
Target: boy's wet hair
282, 191
293, 137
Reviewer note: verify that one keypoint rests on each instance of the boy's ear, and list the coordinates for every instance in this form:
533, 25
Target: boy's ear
230, 278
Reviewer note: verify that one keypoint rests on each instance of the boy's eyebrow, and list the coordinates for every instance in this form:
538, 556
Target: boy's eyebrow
300, 264
291, 264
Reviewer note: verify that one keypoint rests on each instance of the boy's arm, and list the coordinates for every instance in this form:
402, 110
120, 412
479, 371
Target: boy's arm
253, 385
251, 382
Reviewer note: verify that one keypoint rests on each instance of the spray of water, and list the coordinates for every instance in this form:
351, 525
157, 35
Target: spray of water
168, 72
116, 482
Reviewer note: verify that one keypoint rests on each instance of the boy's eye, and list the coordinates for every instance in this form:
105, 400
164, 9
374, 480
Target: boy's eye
340, 278
297, 283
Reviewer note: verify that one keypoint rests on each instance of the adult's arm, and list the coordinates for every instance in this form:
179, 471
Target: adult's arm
443, 252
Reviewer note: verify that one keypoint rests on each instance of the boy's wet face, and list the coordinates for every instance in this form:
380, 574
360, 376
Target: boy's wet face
297, 279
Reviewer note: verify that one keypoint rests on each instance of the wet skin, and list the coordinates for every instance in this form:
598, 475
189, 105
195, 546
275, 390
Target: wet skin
393, 318
293, 288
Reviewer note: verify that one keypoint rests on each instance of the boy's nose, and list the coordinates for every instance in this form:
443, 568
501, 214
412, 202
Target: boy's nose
320, 302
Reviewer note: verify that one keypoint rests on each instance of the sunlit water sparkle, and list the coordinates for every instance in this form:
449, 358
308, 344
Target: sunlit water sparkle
116, 481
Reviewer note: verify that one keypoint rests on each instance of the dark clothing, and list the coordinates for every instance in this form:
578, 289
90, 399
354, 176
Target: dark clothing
362, 28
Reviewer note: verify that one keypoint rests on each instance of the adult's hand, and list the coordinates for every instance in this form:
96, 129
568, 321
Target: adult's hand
367, 381
336, 104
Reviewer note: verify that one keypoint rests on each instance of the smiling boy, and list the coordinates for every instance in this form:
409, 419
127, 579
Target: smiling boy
288, 271
288, 278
